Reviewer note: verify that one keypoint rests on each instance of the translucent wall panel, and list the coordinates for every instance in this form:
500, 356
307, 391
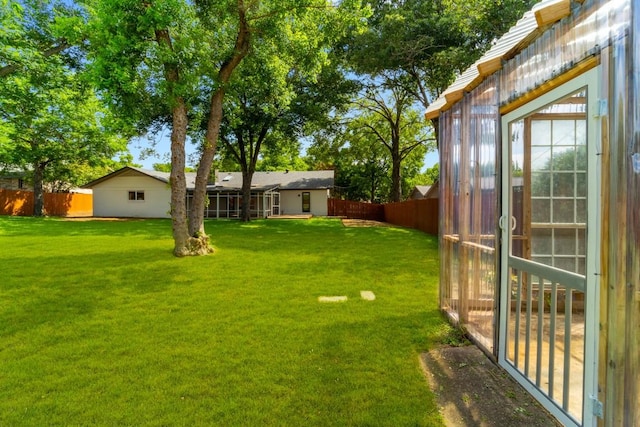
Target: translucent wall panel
620, 377
449, 201
587, 30
633, 210
469, 202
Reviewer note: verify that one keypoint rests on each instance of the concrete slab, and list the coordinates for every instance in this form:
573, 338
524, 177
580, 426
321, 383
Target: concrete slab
341, 298
367, 295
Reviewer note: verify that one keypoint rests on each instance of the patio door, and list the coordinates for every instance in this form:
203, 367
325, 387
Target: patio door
275, 207
306, 201
550, 249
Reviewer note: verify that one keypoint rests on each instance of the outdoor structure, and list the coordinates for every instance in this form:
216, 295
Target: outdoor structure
540, 206
424, 192
134, 192
14, 180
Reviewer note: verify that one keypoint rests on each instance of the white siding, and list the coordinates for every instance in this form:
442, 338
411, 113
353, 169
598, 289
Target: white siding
111, 198
291, 202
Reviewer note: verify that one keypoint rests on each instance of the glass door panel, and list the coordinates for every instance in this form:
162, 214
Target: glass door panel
545, 225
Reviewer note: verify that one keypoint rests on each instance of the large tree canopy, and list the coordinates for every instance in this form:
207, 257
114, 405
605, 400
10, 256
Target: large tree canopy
266, 118
388, 118
430, 41
54, 125
157, 60
31, 31
414, 48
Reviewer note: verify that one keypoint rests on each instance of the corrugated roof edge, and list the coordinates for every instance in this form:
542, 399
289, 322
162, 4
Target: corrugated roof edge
519, 36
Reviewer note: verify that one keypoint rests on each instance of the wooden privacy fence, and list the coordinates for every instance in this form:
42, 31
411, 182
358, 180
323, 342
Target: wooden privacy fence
20, 203
356, 210
419, 214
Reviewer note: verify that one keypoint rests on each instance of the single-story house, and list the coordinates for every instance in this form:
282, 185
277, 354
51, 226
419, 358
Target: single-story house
135, 192
539, 145
14, 180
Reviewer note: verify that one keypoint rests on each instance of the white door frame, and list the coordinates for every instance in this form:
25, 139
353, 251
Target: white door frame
589, 80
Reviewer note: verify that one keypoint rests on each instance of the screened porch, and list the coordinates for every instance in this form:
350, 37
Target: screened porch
228, 203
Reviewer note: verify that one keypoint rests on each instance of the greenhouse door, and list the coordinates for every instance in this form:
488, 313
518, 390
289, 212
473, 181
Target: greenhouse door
550, 248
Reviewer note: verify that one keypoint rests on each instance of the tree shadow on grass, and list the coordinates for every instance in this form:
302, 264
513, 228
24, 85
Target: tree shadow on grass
68, 288
51, 227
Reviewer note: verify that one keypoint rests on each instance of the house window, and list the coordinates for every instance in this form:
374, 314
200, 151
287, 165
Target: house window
306, 201
20, 183
136, 195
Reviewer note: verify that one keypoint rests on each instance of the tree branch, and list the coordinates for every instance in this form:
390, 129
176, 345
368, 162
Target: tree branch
54, 50
378, 135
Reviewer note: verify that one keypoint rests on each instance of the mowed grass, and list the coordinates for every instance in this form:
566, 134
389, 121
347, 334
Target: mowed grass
101, 325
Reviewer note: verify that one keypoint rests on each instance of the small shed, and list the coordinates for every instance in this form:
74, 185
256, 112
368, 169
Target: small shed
539, 147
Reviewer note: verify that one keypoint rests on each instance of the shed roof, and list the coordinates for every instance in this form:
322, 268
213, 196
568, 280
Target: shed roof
518, 37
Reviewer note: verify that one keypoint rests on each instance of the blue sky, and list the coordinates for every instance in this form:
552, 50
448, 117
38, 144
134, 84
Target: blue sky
163, 150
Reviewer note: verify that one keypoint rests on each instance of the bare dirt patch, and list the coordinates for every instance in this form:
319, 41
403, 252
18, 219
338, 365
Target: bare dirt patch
96, 218
364, 223
472, 391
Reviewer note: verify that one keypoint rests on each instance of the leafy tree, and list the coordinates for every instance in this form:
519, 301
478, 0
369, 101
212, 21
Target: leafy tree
388, 117
153, 60
55, 126
431, 175
362, 163
31, 31
166, 167
264, 121
158, 59
427, 43
362, 169
281, 156
430, 41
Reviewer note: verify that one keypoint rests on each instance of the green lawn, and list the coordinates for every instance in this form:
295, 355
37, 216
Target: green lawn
101, 325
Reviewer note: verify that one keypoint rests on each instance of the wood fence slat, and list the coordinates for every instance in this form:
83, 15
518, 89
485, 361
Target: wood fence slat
420, 214
20, 203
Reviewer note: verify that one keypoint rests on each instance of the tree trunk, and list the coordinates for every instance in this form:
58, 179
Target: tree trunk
196, 217
396, 178
435, 123
38, 192
246, 196
184, 244
372, 198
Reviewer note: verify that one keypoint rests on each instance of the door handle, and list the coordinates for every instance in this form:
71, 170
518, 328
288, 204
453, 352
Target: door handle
503, 219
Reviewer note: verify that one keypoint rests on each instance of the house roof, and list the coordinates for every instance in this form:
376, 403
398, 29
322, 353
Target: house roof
130, 171
13, 173
420, 190
287, 180
227, 181
518, 37
426, 191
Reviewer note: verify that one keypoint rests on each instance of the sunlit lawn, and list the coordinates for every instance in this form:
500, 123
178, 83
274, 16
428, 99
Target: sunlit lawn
101, 325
